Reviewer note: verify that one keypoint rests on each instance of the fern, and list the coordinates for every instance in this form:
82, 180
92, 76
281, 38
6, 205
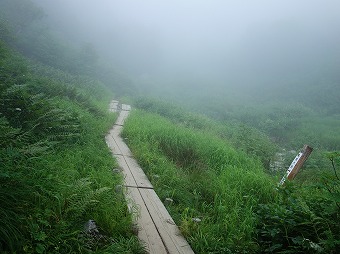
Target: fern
14, 199
82, 198
8, 134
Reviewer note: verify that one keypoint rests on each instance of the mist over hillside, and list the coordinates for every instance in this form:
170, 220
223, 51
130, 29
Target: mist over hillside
242, 51
223, 96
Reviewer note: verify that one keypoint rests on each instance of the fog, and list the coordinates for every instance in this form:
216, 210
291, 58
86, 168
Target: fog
212, 43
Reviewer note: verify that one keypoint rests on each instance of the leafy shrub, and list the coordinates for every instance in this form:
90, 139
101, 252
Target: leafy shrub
305, 220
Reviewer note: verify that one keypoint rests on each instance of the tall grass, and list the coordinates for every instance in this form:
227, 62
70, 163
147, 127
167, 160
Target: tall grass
56, 170
240, 136
205, 177
223, 201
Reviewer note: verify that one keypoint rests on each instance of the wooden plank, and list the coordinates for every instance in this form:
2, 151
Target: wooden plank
123, 148
116, 130
111, 143
171, 236
129, 180
306, 151
114, 106
147, 230
121, 118
112, 131
126, 107
116, 143
296, 164
156, 227
141, 179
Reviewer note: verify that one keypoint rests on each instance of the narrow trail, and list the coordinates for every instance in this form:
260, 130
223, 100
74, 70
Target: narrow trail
156, 228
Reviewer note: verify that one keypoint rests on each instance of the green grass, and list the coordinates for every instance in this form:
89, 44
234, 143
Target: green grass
56, 169
239, 205
205, 177
240, 136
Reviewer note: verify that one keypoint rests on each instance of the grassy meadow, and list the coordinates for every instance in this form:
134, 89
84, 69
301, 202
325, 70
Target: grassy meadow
206, 179
225, 200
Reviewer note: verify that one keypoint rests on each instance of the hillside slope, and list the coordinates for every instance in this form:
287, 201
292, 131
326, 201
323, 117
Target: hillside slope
56, 169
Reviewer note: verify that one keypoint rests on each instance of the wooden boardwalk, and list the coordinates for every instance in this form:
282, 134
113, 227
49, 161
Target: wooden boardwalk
156, 227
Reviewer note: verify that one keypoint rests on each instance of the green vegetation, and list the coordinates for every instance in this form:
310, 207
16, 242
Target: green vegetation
56, 170
23, 28
205, 177
237, 202
241, 136
55, 166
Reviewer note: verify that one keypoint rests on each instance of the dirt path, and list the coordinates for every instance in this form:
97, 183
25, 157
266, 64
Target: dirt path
155, 226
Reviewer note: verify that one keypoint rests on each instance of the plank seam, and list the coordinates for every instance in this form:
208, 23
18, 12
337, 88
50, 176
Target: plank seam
153, 221
139, 187
134, 177
163, 222
117, 144
146, 194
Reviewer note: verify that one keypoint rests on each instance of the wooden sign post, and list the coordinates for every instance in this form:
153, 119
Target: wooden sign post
296, 164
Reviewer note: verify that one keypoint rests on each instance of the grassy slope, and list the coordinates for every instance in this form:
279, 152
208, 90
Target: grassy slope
52, 121
55, 166
241, 136
205, 177
188, 160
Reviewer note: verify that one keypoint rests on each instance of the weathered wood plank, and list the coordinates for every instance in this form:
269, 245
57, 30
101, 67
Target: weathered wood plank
141, 179
111, 143
296, 164
169, 232
114, 106
121, 118
126, 107
115, 141
116, 131
306, 151
129, 180
124, 149
147, 230
156, 227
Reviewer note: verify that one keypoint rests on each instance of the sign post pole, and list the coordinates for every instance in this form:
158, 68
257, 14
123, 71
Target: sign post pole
296, 164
